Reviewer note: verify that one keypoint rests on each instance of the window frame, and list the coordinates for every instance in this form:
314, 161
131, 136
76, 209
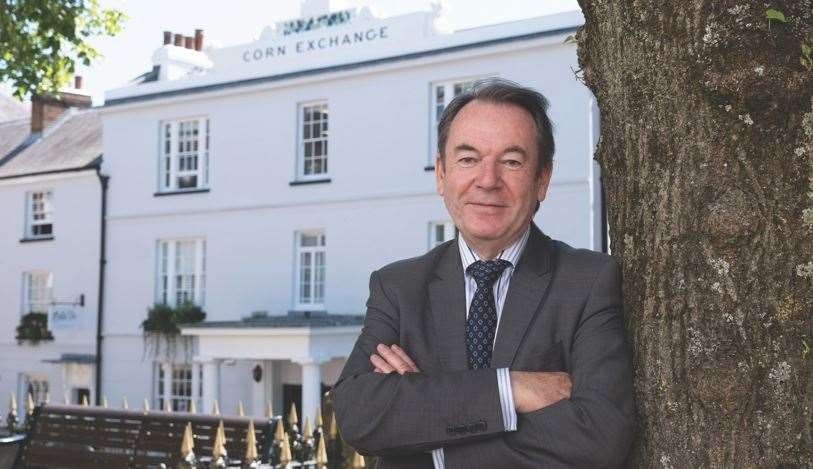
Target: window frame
38, 385
169, 387
166, 266
26, 291
434, 115
448, 228
299, 250
301, 141
47, 212
173, 171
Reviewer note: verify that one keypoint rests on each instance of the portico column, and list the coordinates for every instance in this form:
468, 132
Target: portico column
196, 397
211, 378
166, 369
311, 387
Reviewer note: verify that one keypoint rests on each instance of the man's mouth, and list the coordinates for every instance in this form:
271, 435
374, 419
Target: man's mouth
485, 204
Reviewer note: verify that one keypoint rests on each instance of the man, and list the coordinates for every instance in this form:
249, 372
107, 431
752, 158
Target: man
501, 348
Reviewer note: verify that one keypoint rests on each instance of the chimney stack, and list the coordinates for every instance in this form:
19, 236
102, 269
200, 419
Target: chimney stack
167, 37
47, 109
77, 82
198, 39
189, 42
178, 40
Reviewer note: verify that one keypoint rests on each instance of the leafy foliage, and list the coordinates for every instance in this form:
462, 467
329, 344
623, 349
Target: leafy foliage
164, 319
33, 328
163, 325
41, 41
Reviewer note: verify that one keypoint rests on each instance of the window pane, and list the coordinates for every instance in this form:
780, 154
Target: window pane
308, 240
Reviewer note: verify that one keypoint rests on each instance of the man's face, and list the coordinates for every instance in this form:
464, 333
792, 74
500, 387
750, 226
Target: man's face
489, 181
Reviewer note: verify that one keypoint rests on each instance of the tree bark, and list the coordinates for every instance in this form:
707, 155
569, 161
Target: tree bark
707, 158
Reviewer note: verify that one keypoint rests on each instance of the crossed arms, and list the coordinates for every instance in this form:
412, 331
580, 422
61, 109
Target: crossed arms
386, 413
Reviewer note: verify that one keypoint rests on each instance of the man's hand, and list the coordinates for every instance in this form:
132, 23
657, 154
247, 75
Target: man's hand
533, 390
393, 358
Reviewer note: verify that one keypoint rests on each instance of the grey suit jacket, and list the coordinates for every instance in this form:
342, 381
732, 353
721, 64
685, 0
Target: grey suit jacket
562, 313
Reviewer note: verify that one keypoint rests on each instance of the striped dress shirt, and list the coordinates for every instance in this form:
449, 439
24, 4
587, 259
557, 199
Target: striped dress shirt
468, 257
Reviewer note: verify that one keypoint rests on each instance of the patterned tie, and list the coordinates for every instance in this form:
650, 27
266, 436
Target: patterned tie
482, 321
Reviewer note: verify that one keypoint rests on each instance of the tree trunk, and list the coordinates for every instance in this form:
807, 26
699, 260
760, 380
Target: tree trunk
707, 158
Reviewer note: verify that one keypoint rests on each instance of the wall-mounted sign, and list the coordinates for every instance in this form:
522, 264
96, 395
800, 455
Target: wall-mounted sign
64, 317
330, 41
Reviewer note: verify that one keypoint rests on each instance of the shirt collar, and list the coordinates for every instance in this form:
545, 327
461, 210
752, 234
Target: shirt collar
510, 253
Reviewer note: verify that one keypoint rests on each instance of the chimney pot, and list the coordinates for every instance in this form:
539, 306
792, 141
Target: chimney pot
198, 39
167, 37
189, 42
77, 82
178, 39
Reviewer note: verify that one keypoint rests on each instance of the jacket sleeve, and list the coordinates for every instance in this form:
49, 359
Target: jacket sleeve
594, 428
391, 414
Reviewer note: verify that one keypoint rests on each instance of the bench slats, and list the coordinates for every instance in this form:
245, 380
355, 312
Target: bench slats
64, 436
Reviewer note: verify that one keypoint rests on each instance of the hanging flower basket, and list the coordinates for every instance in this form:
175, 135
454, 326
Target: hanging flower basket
33, 328
162, 327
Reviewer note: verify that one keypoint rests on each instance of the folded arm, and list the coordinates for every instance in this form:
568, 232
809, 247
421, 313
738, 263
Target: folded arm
387, 414
594, 428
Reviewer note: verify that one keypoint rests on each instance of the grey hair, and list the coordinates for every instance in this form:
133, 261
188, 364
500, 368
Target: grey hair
502, 91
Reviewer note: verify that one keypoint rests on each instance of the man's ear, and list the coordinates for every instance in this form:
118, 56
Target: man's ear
440, 174
544, 182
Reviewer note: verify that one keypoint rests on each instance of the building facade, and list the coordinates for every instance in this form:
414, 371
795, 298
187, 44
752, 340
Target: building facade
50, 204
264, 182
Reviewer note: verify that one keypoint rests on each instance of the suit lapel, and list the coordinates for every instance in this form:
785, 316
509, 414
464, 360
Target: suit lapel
447, 303
529, 283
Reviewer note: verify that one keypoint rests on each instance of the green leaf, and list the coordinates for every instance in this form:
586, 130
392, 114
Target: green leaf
772, 14
571, 39
806, 50
42, 41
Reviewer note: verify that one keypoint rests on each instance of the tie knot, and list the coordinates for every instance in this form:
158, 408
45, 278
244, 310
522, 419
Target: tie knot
486, 272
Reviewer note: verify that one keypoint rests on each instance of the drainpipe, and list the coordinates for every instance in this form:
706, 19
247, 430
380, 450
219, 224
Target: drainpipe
103, 180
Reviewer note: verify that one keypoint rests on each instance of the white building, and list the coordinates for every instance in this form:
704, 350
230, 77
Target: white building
50, 204
261, 180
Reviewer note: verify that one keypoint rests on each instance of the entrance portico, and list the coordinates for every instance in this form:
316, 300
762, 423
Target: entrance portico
268, 345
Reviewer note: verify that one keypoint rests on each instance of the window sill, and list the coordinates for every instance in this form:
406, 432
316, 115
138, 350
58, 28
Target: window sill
189, 191
41, 238
429, 168
309, 181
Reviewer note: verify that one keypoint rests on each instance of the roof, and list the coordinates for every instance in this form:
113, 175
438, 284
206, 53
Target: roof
414, 39
11, 109
292, 319
12, 136
73, 142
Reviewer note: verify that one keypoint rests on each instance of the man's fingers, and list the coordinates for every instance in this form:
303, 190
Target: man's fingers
392, 359
381, 364
401, 353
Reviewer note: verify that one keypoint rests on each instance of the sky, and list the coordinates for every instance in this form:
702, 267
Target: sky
234, 22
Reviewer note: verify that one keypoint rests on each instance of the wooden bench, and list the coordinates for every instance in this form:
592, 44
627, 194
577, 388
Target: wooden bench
67, 436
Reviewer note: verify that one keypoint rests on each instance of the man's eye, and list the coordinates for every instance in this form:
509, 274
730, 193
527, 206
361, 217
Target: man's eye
466, 161
513, 163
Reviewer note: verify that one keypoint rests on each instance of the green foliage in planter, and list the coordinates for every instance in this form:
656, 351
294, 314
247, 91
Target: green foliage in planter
33, 328
163, 324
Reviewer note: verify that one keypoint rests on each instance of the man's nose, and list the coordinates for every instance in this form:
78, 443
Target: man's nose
488, 175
